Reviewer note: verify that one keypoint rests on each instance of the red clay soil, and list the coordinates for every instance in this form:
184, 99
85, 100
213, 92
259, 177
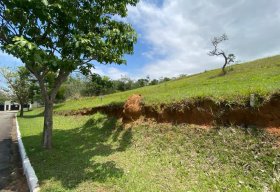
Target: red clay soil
133, 108
274, 131
207, 112
112, 110
200, 112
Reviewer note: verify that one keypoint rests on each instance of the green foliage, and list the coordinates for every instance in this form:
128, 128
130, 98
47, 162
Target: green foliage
141, 83
97, 85
102, 85
3, 97
123, 84
34, 92
165, 79
54, 38
60, 96
74, 87
60, 34
95, 153
19, 83
154, 82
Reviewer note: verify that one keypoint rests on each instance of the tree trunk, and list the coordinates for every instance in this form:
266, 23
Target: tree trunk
49, 98
48, 125
21, 110
224, 66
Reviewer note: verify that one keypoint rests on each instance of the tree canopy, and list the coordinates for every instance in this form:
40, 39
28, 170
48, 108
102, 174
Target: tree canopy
61, 36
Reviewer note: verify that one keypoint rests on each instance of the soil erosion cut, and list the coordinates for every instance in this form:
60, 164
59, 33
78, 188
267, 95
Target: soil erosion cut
133, 108
200, 111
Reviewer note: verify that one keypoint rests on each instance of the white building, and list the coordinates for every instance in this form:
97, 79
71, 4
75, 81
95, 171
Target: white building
13, 106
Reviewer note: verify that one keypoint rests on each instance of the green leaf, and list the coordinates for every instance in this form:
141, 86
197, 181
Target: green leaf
45, 2
22, 43
57, 5
37, 58
30, 46
77, 44
54, 64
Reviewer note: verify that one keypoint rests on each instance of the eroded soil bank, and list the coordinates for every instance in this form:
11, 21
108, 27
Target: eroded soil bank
200, 112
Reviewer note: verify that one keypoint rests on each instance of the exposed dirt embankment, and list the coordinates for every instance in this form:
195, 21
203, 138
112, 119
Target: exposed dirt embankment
200, 112
112, 110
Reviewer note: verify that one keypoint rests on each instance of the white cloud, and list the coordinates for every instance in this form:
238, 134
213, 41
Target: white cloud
179, 32
111, 72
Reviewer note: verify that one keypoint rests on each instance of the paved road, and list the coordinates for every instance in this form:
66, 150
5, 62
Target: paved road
5, 149
9, 162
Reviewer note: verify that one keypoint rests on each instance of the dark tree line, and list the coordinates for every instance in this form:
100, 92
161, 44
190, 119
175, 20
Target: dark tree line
96, 85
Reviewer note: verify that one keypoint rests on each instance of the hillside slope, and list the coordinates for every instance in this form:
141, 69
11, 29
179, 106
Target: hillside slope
98, 152
260, 76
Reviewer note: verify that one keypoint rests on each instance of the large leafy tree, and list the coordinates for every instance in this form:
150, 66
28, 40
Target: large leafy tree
60, 36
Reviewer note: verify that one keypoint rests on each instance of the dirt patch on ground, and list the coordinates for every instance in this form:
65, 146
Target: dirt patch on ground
112, 110
273, 131
133, 108
198, 112
266, 115
205, 112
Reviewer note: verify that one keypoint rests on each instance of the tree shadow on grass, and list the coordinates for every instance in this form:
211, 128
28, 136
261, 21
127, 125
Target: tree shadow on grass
80, 154
221, 74
33, 116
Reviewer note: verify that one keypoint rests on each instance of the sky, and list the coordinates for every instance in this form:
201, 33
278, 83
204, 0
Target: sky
174, 36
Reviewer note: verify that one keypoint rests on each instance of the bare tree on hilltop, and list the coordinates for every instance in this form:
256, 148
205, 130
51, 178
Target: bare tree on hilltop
218, 52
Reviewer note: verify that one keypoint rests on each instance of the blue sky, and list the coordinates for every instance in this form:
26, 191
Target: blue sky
174, 35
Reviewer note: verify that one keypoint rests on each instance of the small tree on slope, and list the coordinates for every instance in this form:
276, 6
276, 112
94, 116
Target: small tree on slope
60, 36
218, 52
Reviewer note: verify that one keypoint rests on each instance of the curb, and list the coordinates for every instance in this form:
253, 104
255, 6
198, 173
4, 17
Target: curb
28, 170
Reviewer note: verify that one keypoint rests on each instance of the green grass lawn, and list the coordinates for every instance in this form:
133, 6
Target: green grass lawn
260, 76
95, 153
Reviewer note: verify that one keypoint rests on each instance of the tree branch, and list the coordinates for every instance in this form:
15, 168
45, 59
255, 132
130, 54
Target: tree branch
62, 76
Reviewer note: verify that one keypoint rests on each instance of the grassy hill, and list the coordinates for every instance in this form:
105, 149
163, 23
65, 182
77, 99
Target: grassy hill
99, 153
261, 76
